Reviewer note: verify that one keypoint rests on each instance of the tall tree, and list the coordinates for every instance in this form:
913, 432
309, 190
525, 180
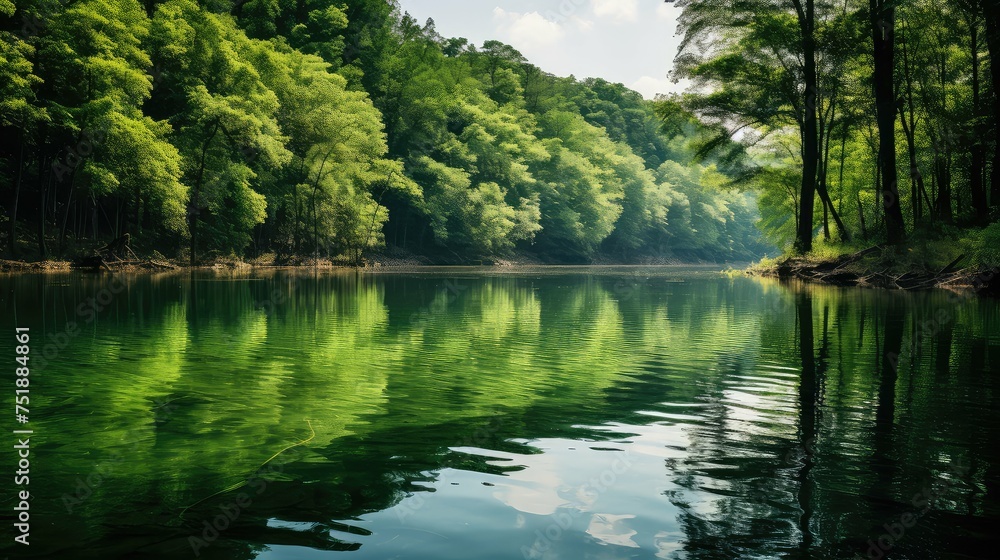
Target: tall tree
992, 15
806, 14
882, 14
971, 12
761, 63
224, 116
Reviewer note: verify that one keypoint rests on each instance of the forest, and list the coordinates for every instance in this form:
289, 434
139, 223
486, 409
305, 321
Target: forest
335, 129
866, 122
251, 128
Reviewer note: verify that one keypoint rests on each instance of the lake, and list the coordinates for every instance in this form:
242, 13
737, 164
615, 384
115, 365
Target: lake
557, 413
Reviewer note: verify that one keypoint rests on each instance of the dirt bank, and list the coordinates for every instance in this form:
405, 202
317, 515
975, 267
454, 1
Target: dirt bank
874, 269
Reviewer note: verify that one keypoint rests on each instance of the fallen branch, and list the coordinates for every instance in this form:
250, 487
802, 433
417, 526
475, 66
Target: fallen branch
951, 266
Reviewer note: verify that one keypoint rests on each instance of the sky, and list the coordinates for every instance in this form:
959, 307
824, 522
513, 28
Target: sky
626, 41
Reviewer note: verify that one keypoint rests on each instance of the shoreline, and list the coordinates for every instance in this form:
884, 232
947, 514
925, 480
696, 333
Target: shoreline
13, 267
869, 269
374, 263
853, 270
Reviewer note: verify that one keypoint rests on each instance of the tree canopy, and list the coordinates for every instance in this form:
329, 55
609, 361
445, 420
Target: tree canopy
830, 98
215, 128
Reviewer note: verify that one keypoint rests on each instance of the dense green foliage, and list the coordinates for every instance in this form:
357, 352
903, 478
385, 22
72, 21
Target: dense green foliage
326, 128
886, 111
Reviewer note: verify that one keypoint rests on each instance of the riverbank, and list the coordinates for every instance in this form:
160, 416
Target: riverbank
159, 262
392, 259
39, 266
883, 267
388, 265
876, 267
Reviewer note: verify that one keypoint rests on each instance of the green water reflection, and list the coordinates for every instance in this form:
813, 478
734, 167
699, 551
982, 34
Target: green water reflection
550, 413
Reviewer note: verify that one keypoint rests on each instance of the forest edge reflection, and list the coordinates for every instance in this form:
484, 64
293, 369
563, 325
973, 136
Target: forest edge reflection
667, 303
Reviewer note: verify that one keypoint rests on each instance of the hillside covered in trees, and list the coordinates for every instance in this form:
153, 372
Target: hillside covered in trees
219, 128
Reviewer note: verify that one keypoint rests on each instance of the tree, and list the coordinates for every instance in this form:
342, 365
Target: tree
224, 117
336, 140
19, 114
883, 27
762, 67
240, 128
991, 11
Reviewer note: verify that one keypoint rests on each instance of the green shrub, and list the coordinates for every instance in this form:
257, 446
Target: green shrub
983, 246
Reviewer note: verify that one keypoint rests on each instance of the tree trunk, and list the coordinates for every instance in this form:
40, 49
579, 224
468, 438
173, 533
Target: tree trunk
296, 235
846, 236
824, 193
315, 224
194, 204
943, 172
828, 203
43, 251
65, 213
826, 219
810, 139
908, 118
315, 193
822, 164
992, 11
827, 125
821, 190
883, 38
12, 231
980, 206
139, 211
917, 187
861, 215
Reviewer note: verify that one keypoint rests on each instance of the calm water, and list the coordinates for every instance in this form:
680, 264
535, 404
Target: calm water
462, 414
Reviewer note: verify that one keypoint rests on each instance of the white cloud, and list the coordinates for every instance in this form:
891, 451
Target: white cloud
617, 10
527, 31
582, 24
649, 86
